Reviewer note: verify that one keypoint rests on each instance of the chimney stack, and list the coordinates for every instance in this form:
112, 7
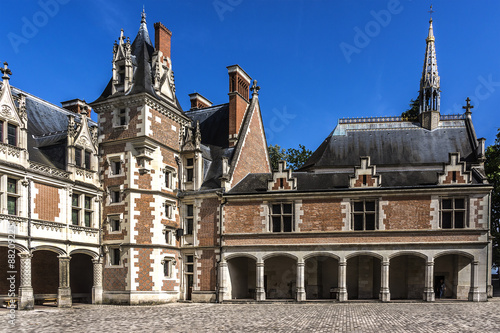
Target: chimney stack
239, 84
77, 106
162, 39
198, 101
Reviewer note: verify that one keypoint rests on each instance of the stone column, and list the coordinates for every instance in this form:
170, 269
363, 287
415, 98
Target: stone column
385, 295
474, 294
260, 292
97, 288
429, 294
342, 293
64, 299
26, 298
222, 280
301, 291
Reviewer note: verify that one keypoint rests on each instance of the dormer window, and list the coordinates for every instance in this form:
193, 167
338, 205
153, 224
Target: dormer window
121, 74
1, 131
12, 134
122, 118
87, 160
12, 196
189, 169
78, 157
116, 167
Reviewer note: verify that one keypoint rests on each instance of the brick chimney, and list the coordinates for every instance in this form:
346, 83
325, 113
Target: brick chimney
198, 101
76, 106
162, 39
239, 84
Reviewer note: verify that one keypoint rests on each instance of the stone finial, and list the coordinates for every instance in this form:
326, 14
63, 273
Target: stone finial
6, 71
468, 106
255, 88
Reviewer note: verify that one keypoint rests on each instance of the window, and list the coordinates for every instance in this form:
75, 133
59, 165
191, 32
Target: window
116, 167
78, 157
190, 264
122, 117
115, 196
168, 179
189, 169
453, 213
189, 219
114, 223
121, 74
166, 268
1, 131
12, 196
114, 256
282, 217
75, 210
12, 134
168, 210
88, 211
87, 160
364, 215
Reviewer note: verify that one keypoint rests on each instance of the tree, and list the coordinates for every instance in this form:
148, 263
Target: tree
492, 168
295, 158
413, 111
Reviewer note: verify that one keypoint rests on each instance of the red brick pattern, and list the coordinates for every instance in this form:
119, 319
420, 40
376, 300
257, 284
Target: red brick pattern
144, 214
460, 179
162, 131
243, 217
407, 213
476, 208
114, 279
208, 222
253, 157
322, 215
118, 133
278, 182
47, 202
170, 284
370, 181
207, 272
144, 280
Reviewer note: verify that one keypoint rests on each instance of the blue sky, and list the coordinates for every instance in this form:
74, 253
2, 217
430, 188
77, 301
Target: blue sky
315, 61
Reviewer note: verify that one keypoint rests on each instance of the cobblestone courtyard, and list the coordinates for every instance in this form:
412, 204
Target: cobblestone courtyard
445, 316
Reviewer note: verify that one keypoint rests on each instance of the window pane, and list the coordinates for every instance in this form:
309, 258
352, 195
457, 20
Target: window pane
1, 131
166, 268
459, 203
370, 206
276, 223
12, 205
167, 179
189, 259
459, 220
117, 168
87, 160
277, 209
74, 216
189, 175
12, 135
115, 224
370, 222
287, 223
287, 209
11, 185
167, 237
189, 268
116, 257
189, 210
74, 200
358, 222
189, 226
447, 204
78, 157
189, 162
87, 202
446, 220
358, 206
88, 218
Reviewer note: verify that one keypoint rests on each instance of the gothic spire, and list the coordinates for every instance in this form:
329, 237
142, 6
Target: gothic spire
430, 81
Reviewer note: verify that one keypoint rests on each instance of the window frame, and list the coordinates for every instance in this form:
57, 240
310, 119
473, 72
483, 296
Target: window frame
78, 157
16, 134
364, 214
115, 256
189, 169
453, 210
189, 220
75, 208
115, 196
12, 196
282, 215
114, 220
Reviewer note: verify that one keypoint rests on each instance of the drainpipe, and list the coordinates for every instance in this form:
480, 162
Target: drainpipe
29, 215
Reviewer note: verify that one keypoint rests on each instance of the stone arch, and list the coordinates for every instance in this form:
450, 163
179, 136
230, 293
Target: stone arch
50, 248
242, 275
454, 269
19, 247
409, 253
279, 254
457, 252
90, 253
407, 275
237, 255
364, 253
321, 254
363, 273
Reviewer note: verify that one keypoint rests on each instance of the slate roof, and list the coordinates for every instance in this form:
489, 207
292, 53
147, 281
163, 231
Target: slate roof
47, 130
397, 143
214, 128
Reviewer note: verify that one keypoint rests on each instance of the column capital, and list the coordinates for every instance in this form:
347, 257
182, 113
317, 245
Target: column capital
301, 263
96, 261
260, 264
386, 263
430, 263
64, 258
25, 255
475, 262
343, 263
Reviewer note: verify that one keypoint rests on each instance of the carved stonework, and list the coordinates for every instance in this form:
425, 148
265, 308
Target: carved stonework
5, 111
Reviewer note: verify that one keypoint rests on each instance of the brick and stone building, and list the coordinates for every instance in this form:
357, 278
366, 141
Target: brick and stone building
156, 204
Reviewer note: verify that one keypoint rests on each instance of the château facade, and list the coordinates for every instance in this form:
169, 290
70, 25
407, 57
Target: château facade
155, 204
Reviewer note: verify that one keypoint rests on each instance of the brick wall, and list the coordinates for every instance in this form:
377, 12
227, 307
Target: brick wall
115, 279
253, 156
407, 213
144, 280
118, 133
208, 222
207, 272
322, 215
161, 127
243, 217
47, 202
173, 282
144, 216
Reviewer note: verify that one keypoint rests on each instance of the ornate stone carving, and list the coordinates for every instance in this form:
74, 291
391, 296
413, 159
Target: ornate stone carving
5, 110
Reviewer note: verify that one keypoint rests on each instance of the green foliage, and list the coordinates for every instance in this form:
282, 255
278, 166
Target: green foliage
412, 112
492, 168
295, 158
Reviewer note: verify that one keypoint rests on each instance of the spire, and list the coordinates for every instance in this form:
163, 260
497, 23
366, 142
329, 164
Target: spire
142, 35
143, 15
6, 71
430, 81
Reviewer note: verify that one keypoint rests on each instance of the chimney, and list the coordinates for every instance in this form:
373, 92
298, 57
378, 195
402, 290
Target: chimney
198, 101
162, 39
239, 84
76, 106
481, 149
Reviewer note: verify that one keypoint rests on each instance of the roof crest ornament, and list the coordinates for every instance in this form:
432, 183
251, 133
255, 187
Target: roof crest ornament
468, 106
143, 15
255, 88
6, 71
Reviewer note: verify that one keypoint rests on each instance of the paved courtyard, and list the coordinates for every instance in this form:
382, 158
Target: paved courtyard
445, 316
